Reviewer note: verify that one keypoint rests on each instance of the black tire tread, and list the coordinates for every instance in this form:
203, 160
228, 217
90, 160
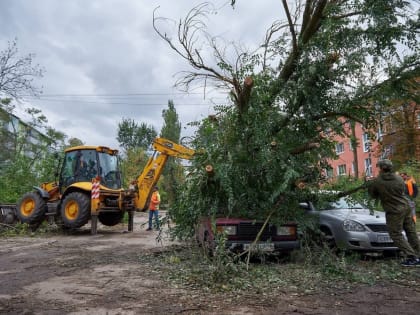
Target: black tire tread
83, 201
38, 213
111, 218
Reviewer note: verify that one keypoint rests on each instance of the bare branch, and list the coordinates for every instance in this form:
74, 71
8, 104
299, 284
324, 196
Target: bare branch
304, 147
338, 114
337, 17
17, 74
245, 92
225, 75
275, 27
189, 30
291, 25
306, 14
314, 21
310, 24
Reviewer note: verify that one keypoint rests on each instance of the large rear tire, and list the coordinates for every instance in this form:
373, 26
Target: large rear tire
75, 210
111, 218
31, 208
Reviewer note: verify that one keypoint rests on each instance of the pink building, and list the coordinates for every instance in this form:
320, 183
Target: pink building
359, 161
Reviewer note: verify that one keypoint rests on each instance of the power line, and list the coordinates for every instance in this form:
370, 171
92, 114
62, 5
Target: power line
119, 103
111, 95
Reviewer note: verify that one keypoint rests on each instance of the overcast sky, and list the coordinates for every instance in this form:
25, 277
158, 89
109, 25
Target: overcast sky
104, 62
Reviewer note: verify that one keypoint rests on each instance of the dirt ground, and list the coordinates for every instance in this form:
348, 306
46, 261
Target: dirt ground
102, 274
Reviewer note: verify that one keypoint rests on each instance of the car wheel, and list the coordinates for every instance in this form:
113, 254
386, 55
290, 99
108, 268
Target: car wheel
327, 237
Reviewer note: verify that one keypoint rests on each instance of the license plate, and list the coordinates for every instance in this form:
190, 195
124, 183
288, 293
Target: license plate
384, 239
264, 247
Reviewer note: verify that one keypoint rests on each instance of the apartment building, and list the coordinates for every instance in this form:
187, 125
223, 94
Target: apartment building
355, 160
16, 134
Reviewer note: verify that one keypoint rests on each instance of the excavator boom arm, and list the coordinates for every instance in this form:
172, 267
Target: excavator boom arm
151, 173
170, 148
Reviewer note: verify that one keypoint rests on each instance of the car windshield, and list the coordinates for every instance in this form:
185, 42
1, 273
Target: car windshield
342, 203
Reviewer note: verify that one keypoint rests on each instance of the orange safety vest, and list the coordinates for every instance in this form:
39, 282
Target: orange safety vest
410, 190
410, 182
154, 201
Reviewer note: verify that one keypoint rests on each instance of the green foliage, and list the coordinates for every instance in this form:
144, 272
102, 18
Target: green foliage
171, 128
132, 164
173, 174
27, 163
254, 171
18, 229
74, 142
131, 135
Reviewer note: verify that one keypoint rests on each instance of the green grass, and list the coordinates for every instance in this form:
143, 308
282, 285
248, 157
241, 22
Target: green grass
303, 272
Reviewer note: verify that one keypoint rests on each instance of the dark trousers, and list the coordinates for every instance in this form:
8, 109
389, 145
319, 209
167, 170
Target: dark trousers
403, 221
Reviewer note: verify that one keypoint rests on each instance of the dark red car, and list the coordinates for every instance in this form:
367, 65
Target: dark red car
241, 233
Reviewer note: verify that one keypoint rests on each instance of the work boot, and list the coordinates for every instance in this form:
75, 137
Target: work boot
149, 229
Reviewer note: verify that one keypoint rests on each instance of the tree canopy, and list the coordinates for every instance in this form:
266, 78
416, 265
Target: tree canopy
327, 60
173, 171
132, 135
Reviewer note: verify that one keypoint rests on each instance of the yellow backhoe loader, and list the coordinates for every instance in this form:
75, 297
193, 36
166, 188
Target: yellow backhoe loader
89, 187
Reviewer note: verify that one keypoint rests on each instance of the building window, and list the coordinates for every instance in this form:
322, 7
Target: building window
341, 169
366, 142
368, 167
339, 148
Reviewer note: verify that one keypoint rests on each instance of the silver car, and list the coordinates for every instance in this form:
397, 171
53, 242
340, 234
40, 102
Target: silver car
347, 224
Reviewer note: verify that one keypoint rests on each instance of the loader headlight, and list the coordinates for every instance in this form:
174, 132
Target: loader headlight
353, 226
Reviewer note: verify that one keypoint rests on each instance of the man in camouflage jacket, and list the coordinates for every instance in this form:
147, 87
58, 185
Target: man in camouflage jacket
389, 188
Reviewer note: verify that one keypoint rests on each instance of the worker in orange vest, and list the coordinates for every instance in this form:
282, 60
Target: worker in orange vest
411, 191
154, 208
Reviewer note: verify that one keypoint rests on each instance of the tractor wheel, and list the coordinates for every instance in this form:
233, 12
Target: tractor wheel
75, 210
31, 208
111, 218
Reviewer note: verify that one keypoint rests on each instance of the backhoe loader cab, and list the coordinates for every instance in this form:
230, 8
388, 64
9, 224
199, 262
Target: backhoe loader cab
83, 163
